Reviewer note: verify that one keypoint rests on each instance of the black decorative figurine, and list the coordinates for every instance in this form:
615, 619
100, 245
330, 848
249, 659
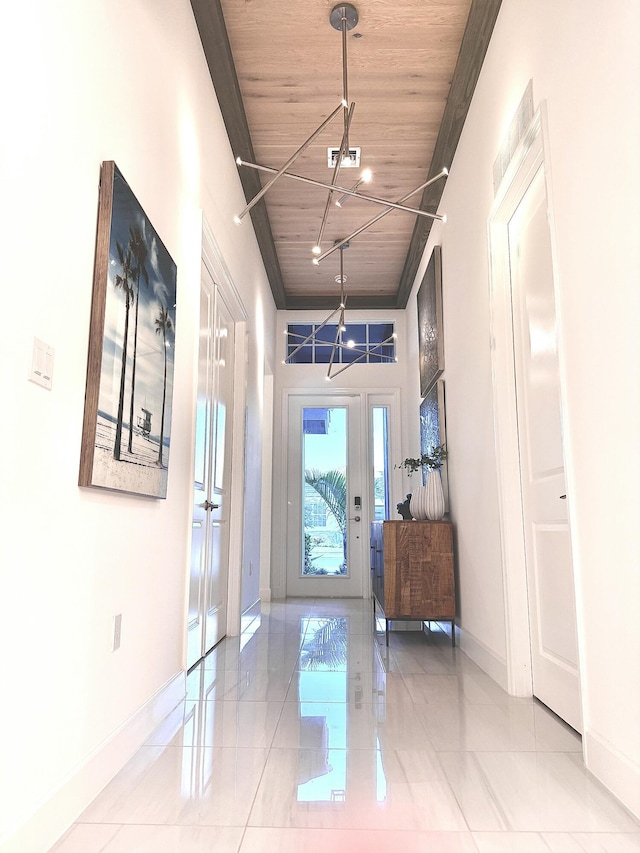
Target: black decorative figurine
403, 509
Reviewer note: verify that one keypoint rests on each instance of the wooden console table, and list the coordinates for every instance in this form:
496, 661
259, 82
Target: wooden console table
412, 572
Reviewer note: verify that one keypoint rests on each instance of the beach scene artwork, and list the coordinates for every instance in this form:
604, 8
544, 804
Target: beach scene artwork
127, 420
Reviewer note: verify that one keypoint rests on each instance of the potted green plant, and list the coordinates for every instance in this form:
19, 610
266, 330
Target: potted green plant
431, 461
427, 502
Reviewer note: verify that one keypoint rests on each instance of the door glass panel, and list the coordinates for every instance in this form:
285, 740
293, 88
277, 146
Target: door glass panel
324, 491
380, 455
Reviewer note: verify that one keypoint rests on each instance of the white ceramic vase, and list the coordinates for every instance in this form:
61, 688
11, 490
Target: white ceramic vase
427, 502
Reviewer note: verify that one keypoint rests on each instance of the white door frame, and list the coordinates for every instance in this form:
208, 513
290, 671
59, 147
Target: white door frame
526, 161
379, 397
355, 583
214, 261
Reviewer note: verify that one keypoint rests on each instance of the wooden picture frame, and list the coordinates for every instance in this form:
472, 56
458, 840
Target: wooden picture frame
433, 431
126, 432
430, 324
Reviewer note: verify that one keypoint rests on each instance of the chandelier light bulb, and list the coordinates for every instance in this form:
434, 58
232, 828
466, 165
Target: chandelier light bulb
351, 344
316, 262
366, 176
239, 161
237, 219
316, 250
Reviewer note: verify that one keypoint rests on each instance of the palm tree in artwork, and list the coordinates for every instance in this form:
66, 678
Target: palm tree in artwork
163, 325
123, 281
140, 251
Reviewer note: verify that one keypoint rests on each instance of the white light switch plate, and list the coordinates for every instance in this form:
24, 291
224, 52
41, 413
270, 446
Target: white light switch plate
41, 370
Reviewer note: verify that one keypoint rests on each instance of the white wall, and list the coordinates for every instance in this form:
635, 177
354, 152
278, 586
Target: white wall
584, 63
81, 83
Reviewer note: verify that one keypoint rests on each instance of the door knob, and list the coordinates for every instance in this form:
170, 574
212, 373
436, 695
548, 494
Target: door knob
207, 505
355, 518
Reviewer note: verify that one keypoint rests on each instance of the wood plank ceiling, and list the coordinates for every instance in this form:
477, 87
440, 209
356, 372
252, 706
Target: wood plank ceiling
278, 73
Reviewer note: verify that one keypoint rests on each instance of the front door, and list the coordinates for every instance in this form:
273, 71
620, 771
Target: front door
209, 565
554, 652
326, 521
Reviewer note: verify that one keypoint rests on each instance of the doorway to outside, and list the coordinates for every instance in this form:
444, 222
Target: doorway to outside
337, 482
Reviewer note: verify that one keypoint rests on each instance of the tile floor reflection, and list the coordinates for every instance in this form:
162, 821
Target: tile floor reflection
306, 734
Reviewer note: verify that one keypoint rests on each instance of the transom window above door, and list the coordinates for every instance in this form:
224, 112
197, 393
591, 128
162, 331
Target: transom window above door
368, 343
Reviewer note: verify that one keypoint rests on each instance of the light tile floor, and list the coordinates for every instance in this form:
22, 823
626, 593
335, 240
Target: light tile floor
306, 734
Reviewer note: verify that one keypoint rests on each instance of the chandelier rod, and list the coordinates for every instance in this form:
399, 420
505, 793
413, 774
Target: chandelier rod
279, 172
390, 204
334, 349
337, 245
345, 84
311, 335
344, 150
364, 355
343, 303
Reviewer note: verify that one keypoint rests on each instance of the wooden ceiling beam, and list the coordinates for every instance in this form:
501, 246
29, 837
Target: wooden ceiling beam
215, 42
477, 34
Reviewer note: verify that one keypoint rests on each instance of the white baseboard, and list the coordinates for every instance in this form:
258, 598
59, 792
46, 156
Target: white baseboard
265, 594
486, 658
56, 814
616, 771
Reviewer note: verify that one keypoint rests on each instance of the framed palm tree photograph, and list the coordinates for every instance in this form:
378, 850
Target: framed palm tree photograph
126, 432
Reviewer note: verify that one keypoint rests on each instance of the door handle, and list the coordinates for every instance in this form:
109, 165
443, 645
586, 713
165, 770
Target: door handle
355, 518
207, 506
563, 497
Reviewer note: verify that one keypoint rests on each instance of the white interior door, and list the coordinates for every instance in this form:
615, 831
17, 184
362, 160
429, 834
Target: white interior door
209, 564
217, 582
550, 581
327, 504
201, 476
